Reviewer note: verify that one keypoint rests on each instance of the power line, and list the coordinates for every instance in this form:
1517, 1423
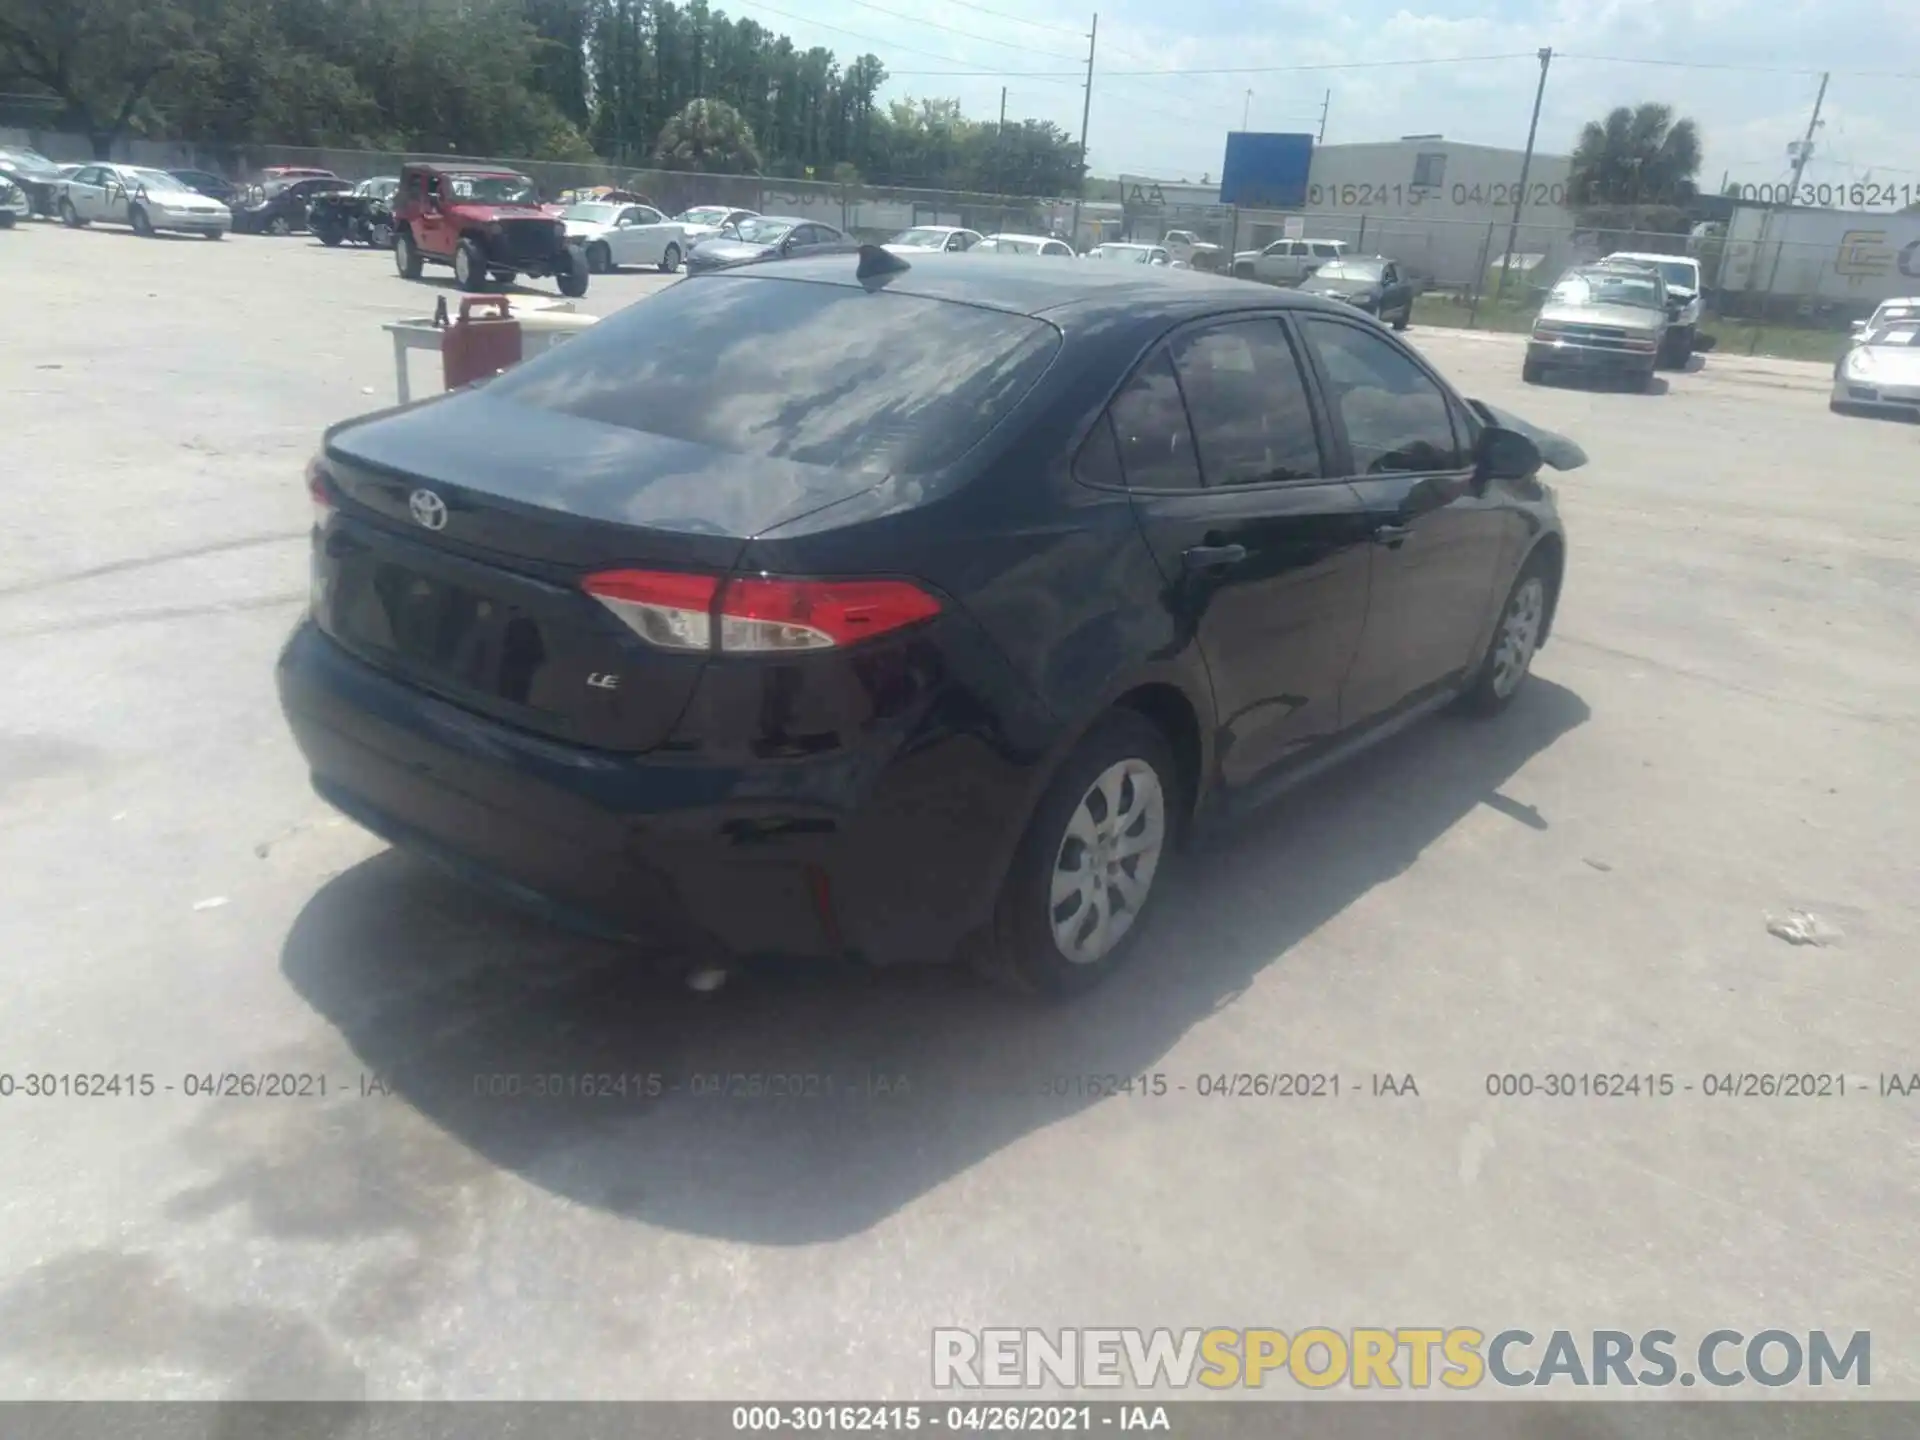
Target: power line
1018, 20
951, 30
899, 45
1730, 65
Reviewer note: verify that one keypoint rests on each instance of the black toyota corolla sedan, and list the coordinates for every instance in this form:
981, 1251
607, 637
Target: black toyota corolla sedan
904, 610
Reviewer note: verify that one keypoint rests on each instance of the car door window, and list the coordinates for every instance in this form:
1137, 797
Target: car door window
1251, 418
1151, 430
1327, 252
1396, 418
1389, 276
1299, 248
642, 215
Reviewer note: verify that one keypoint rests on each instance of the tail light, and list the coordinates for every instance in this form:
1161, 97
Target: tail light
761, 614
319, 491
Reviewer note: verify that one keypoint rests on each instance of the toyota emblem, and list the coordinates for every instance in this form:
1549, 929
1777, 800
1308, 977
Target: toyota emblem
427, 509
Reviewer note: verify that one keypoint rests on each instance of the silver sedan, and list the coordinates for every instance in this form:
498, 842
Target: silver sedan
1880, 373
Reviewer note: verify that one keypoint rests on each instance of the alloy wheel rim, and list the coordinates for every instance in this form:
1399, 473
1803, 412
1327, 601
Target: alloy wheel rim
462, 270
1519, 635
1104, 866
673, 258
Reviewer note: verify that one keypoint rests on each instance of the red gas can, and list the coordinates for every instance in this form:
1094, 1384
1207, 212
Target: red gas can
478, 345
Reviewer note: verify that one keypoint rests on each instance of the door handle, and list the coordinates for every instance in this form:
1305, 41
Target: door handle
1391, 535
1212, 557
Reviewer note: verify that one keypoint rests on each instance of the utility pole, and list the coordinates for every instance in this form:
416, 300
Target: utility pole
1325, 105
1526, 164
1799, 168
1246, 110
1086, 111
1000, 144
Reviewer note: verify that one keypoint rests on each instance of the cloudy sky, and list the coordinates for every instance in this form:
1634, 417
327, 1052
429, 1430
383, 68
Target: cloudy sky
1749, 81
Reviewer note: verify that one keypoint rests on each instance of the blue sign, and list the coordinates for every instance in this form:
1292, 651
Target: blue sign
1266, 172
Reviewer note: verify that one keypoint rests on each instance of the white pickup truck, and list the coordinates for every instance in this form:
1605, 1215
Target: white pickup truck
1190, 249
1287, 262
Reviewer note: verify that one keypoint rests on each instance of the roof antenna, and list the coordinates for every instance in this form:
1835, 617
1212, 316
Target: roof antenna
876, 262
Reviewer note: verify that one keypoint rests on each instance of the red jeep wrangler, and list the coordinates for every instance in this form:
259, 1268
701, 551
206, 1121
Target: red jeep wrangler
482, 222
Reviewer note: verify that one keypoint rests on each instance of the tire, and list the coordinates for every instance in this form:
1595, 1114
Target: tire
599, 258
142, 224
1510, 649
1126, 757
69, 216
1532, 372
573, 280
506, 277
470, 266
380, 237
670, 259
6, 219
279, 225
406, 256
329, 236
216, 234
1643, 382
1403, 319
1243, 272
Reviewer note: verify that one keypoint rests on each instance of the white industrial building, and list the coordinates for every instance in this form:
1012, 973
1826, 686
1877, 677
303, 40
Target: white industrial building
1439, 206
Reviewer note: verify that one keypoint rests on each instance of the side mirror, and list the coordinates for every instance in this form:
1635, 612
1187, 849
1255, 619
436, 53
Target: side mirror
1859, 327
1504, 454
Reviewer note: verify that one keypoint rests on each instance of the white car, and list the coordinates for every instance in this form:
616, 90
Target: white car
148, 200
1024, 245
926, 239
614, 235
703, 222
1189, 248
1287, 262
1880, 373
1682, 276
1128, 253
1901, 307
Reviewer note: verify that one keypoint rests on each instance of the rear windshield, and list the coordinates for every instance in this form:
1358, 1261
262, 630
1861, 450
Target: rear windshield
832, 375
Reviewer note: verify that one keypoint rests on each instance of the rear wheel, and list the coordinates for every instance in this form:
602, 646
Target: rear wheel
470, 266
670, 259
69, 216
572, 280
599, 258
1516, 637
406, 255
1532, 372
380, 236
216, 234
1403, 319
329, 234
142, 223
1086, 871
279, 225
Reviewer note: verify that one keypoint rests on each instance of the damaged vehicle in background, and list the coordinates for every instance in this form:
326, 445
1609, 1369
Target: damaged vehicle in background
37, 177
902, 611
281, 207
363, 214
1680, 274
14, 205
147, 200
1601, 320
1376, 285
484, 223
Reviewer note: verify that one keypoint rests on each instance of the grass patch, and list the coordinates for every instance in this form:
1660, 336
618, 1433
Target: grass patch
1450, 312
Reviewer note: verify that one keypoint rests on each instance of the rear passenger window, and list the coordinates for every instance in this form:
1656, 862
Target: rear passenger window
1251, 419
1098, 462
1150, 426
1397, 420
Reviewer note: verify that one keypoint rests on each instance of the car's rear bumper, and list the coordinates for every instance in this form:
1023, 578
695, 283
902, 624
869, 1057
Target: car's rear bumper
697, 857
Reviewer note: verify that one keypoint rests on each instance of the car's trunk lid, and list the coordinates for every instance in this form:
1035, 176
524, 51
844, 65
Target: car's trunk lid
464, 527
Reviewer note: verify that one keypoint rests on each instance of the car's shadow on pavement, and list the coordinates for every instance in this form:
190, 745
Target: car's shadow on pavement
455, 1002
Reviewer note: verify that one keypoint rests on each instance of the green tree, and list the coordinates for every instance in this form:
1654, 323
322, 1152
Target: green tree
707, 136
1637, 155
99, 59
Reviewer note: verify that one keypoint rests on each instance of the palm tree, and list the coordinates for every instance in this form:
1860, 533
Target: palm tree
708, 136
1636, 156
